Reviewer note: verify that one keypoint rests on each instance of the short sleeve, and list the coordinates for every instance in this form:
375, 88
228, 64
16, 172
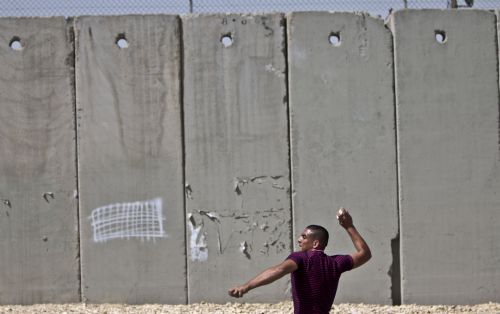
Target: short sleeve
297, 258
344, 262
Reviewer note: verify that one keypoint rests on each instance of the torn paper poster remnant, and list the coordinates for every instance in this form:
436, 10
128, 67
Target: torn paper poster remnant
197, 240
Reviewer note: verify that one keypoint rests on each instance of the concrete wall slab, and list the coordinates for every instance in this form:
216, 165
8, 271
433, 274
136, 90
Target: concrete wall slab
343, 140
38, 206
130, 157
237, 177
449, 157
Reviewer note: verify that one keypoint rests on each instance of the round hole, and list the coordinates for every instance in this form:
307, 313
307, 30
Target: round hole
226, 40
122, 43
15, 44
334, 39
440, 37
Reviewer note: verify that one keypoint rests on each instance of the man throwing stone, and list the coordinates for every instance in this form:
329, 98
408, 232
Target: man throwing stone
315, 275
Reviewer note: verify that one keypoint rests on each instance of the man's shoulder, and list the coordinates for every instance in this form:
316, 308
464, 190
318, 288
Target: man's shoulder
345, 262
298, 254
298, 257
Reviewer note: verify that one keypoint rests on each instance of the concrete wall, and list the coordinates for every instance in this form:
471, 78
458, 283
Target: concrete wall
236, 142
38, 187
449, 155
342, 114
158, 159
130, 159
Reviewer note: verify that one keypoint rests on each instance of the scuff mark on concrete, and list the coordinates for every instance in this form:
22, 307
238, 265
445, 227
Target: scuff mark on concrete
48, 196
273, 210
259, 179
265, 250
198, 244
264, 226
7, 203
189, 191
269, 30
244, 249
241, 217
239, 183
363, 38
210, 215
277, 186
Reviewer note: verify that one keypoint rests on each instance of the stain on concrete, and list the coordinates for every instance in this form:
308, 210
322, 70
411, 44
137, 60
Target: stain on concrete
362, 37
189, 191
269, 30
48, 196
7, 203
271, 69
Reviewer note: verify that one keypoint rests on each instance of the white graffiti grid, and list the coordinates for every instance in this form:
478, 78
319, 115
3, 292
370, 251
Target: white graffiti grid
142, 219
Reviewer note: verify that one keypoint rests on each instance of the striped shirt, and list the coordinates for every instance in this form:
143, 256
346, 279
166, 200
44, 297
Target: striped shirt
314, 283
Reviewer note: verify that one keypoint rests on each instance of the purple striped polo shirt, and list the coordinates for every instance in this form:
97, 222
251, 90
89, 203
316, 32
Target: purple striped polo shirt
314, 283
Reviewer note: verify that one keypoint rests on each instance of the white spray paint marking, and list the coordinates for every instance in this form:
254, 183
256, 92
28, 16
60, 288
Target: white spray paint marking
198, 244
278, 73
142, 219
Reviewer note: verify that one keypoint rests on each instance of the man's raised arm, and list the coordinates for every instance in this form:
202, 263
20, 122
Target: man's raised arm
363, 253
266, 277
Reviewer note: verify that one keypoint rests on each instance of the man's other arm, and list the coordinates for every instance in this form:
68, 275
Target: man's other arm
363, 253
266, 277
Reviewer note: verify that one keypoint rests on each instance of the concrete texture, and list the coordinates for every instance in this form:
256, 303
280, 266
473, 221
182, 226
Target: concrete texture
144, 233
130, 159
343, 140
448, 143
236, 143
38, 208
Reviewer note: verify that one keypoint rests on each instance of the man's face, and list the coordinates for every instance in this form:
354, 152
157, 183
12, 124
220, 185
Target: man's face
306, 241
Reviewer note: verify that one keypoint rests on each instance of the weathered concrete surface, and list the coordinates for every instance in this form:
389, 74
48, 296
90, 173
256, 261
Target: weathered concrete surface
343, 141
38, 211
448, 142
130, 150
237, 176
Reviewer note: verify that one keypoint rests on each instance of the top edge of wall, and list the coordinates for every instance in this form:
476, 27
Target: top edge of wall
266, 13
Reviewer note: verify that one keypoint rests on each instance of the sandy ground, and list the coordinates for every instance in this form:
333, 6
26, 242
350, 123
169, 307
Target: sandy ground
278, 308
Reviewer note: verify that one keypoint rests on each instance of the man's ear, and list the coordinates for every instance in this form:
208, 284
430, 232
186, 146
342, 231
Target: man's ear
316, 244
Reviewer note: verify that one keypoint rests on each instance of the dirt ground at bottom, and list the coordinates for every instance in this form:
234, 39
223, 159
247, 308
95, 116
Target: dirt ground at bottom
241, 308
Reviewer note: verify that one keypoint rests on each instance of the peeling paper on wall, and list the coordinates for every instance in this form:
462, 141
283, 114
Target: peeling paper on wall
240, 182
213, 216
244, 249
198, 243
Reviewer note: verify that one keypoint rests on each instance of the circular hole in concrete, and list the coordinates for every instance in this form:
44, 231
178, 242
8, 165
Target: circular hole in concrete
15, 44
121, 41
334, 39
226, 40
440, 36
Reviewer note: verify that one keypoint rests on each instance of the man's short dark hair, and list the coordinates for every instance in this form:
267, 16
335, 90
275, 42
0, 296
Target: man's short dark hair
319, 233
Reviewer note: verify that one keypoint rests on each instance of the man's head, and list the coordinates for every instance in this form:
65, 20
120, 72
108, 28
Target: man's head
313, 237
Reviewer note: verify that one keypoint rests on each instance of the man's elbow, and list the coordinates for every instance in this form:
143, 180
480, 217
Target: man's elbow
361, 258
368, 255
